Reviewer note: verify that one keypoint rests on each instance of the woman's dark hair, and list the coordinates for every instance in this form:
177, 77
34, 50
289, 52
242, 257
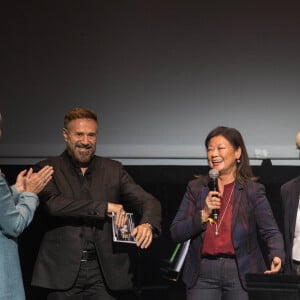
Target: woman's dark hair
233, 136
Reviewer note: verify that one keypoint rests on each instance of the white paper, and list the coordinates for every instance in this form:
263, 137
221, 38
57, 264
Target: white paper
181, 257
123, 234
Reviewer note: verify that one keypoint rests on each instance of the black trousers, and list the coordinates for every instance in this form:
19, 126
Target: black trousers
89, 285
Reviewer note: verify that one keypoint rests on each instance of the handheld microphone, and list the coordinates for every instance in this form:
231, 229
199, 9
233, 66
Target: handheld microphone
213, 186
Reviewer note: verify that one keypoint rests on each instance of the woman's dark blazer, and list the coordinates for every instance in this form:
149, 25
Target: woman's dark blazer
251, 214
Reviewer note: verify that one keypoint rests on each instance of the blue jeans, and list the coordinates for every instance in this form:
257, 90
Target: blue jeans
88, 286
218, 280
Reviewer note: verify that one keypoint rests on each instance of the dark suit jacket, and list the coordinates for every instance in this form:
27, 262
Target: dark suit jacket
58, 260
290, 192
251, 211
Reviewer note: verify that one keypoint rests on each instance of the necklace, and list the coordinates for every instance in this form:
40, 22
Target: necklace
229, 200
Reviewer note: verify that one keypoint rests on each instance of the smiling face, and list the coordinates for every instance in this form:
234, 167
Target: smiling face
222, 155
81, 138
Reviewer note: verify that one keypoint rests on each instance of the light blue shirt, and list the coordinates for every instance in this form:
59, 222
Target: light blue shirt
16, 213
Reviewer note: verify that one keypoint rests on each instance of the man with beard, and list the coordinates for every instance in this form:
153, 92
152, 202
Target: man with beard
78, 258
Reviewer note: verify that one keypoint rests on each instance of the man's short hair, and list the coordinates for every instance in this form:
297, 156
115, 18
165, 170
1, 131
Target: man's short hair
79, 113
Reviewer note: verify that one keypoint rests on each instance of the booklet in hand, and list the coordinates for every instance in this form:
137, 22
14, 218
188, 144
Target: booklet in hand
123, 234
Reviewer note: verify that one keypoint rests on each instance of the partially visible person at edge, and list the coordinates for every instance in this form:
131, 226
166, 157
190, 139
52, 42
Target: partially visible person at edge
290, 196
17, 206
78, 258
221, 253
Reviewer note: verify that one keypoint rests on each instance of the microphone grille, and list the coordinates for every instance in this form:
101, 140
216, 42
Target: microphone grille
213, 173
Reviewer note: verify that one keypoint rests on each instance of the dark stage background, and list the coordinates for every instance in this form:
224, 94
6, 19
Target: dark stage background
160, 74
168, 184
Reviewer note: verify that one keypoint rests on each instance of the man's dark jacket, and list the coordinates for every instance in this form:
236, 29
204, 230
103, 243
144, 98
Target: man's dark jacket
58, 260
290, 192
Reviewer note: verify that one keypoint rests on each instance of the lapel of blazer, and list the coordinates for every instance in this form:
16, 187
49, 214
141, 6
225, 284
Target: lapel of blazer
294, 200
240, 207
237, 198
98, 183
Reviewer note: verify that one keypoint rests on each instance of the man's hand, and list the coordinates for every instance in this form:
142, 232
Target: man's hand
121, 217
143, 235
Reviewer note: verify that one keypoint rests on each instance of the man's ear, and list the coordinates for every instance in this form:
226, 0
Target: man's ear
65, 133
